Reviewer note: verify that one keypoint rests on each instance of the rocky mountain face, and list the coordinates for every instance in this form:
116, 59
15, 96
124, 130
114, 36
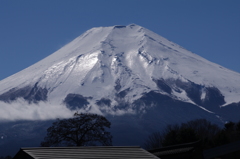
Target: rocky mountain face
138, 79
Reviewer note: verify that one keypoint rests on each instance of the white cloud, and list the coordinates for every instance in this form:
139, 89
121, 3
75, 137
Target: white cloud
22, 110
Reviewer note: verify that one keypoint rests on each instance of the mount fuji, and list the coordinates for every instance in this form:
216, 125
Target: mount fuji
137, 78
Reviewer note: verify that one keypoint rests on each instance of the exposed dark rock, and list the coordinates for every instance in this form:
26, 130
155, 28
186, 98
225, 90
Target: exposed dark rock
121, 102
37, 94
162, 85
118, 85
152, 98
213, 97
212, 100
149, 37
14, 93
192, 89
119, 26
31, 94
123, 93
122, 105
74, 101
104, 101
163, 106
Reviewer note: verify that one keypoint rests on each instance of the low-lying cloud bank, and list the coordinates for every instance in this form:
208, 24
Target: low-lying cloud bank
22, 110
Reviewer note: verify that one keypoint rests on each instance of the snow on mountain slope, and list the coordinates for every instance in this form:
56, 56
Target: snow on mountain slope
119, 64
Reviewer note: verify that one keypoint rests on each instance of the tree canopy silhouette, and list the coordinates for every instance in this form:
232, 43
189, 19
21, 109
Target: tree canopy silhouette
199, 129
81, 130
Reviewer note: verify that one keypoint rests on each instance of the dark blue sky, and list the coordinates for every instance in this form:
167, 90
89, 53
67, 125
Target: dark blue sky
31, 30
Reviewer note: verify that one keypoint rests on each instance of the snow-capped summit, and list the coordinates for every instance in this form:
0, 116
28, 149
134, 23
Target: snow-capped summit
120, 69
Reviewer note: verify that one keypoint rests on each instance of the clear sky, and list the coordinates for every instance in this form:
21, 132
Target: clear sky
31, 30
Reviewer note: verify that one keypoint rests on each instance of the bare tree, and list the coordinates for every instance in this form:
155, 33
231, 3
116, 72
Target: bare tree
153, 141
81, 130
203, 128
192, 131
